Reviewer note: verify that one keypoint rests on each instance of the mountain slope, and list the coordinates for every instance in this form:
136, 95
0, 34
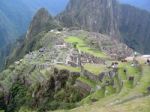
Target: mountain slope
135, 28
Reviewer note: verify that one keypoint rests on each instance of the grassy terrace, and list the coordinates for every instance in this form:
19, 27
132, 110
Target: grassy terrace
83, 46
95, 68
70, 68
131, 71
92, 84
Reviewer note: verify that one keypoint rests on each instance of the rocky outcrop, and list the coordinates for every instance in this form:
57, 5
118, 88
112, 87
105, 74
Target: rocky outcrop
96, 15
38, 23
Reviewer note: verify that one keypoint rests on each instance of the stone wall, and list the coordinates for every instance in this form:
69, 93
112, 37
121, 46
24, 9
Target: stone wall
90, 76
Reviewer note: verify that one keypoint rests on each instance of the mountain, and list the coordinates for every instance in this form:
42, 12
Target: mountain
102, 19
135, 32
42, 22
111, 18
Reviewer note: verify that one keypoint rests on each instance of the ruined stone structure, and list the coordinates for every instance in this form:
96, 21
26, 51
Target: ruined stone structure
73, 58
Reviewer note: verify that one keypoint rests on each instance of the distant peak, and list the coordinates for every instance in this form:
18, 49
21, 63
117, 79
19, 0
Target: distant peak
42, 11
39, 20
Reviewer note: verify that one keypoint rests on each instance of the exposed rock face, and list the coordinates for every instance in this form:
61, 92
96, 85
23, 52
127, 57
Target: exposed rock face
96, 15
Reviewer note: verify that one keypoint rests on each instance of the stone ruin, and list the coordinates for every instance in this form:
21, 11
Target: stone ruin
76, 58
61, 45
73, 58
87, 58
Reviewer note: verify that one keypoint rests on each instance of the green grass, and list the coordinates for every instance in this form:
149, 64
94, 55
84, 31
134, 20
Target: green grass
84, 47
95, 68
96, 95
131, 71
145, 80
110, 90
70, 68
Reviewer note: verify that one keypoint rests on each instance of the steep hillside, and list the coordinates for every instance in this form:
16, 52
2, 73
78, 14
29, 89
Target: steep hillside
135, 32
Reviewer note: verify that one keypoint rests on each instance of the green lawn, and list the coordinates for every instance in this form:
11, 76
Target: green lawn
84, 47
